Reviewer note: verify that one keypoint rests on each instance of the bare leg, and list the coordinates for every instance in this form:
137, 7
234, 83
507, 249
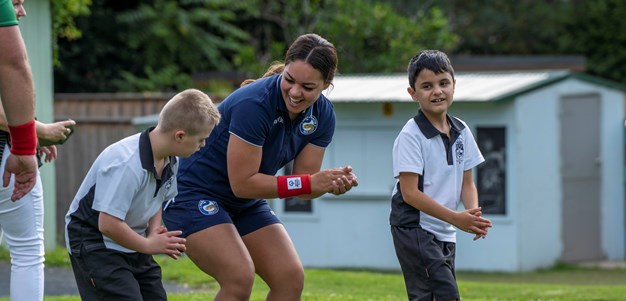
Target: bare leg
220, 252
277, 262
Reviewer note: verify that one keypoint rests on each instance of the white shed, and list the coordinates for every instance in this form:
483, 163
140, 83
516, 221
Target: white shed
553, 183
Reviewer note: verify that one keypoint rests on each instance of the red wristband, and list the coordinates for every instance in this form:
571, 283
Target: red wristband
293, 185
23, 139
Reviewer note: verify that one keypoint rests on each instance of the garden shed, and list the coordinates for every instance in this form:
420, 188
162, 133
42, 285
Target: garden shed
553, 182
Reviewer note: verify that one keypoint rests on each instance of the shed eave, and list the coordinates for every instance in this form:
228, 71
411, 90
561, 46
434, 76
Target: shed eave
470, 86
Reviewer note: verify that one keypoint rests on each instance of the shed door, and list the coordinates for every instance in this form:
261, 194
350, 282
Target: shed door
580, 177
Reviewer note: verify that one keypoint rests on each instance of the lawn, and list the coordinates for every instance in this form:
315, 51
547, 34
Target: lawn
559, 283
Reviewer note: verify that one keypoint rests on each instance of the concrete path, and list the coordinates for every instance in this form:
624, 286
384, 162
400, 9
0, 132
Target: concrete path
60, 281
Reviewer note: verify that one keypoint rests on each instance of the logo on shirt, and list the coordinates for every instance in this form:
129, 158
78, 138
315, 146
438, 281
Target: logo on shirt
168, 184
278, 120
308, 125
208, 207
459, 150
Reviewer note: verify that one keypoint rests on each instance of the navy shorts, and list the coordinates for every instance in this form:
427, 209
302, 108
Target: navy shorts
427, 264
193, 216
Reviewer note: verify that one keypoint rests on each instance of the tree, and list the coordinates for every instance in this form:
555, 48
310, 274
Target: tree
596, 30
272, 26
63, 26
532, 27
160, 44
374, 38
507, 27
370, 36
173, 38
93, 62
191, 34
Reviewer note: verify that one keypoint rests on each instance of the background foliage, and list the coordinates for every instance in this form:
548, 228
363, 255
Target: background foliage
63, 13
166, 45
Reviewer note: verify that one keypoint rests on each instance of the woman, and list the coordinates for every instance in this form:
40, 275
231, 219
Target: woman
231, 231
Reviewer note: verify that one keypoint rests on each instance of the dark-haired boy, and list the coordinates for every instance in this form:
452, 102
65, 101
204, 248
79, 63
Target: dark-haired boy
433, 157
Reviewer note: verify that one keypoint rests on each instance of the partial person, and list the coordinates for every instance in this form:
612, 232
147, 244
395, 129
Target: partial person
21, 222
433, 157
18, 99
231, 231
113, 225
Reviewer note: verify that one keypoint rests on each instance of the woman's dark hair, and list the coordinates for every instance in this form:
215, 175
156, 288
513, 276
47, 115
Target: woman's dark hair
317, 52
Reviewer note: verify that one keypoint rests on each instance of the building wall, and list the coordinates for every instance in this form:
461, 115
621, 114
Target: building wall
541, 247
36, 31
500, 251
612, 151
538, 185
353, 230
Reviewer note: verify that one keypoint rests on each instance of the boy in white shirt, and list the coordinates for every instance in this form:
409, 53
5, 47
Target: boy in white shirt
113, 226
433, 157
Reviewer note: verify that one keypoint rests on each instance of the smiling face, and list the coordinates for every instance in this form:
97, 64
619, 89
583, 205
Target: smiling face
434, 92
301, 86
18, 7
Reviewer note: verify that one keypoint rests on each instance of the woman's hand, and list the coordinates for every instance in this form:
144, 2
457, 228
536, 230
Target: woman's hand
335, 180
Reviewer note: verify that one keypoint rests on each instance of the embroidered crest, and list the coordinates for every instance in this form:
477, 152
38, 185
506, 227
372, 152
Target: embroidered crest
308, 125
168, 184
208, 207
459, 150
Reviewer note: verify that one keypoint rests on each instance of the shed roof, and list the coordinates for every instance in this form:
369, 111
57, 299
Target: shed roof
470, 86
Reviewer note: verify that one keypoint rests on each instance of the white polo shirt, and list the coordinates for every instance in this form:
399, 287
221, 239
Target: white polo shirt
122, 182
420, 148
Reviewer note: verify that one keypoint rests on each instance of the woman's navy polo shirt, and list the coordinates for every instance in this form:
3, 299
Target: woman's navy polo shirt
257, 114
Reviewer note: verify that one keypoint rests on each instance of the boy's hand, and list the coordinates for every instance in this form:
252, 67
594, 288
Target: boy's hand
483, 236
486, 229
161, 241
471, 221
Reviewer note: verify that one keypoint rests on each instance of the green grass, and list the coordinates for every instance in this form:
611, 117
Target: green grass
562, 282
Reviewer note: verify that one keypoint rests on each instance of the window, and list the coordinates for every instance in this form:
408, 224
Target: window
491, 175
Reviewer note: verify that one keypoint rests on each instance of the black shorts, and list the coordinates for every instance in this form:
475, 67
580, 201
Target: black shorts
427, 264
106, 274
194, 216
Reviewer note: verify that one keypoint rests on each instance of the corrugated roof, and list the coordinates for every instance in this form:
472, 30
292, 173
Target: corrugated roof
470, 86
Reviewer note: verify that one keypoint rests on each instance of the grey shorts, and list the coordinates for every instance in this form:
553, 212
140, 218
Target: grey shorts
427, 264
106, 274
